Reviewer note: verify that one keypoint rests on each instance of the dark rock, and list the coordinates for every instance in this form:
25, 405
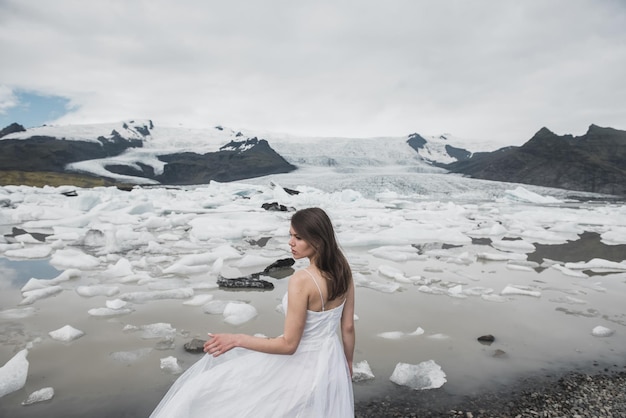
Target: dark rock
487, 339
281, 264
416, 141
291, 191
261, 242
71, 193
12, 128
248, 282
195, 346
275, 206
19, 231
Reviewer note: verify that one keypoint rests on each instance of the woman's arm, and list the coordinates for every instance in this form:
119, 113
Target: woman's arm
348, 334
285, 344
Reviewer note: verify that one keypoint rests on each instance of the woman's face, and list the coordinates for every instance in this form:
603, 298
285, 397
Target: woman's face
299, 247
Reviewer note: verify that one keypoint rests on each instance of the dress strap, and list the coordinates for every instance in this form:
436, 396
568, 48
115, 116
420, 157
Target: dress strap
318, 288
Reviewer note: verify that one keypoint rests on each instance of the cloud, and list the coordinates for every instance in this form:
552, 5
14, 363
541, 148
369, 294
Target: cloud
497, 70
8, 99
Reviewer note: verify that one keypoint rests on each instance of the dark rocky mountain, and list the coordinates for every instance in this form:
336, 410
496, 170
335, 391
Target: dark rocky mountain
418, 143
594, 162
234, 161
45, 153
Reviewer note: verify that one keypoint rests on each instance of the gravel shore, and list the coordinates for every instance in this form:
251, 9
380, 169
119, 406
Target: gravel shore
574, 395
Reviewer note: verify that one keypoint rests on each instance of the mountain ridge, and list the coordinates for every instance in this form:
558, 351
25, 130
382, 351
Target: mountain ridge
594, 162
139, 152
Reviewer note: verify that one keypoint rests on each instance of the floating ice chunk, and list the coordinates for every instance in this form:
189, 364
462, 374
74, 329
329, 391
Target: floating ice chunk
518, 267
520, 246
418, 331
139, 297
478, 291
361, 281
253, 261
183, 270
106, 312
391, 335
155, 222
501, 256
425, 375
66, 334
41, 395
598, 265
17, 313
73, 258
116, 304
97, 290
569, 300
614, 236
32, 296
493, 298
199, 300
130, 356
170, 365
397, 253
438, 336
433, 290
568, 272
216, 268
238, 313
156, 330
492, 231
456, 290
216, 307
13, 374
520, 290
393, 273
361, 371
168, 237
523, 195
38, 251
601, 331
120, 269
33, 284
26, 239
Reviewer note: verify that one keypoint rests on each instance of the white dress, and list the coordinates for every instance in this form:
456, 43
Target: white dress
314, 382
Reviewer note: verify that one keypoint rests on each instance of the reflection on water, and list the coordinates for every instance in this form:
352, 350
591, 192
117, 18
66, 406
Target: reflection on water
18, 272
586, 248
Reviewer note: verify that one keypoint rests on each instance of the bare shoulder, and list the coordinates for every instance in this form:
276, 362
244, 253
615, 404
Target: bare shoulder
300, 281
299, 278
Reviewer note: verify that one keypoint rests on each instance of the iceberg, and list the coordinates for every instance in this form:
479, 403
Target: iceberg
13, 374
41, 395
425, 375
239, 313
361, 371
66, 334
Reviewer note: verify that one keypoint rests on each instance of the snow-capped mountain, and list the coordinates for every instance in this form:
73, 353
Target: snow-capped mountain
143, 159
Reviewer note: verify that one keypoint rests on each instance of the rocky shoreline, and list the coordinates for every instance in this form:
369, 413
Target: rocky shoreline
575, 394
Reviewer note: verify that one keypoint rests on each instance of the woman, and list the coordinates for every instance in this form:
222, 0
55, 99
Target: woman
306, 372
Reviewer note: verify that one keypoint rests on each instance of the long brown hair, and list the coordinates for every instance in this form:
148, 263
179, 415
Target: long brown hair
314, 226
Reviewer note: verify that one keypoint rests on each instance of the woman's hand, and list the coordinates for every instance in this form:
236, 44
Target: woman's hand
218, 344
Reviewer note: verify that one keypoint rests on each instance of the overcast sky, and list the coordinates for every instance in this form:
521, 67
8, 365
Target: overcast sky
487, 70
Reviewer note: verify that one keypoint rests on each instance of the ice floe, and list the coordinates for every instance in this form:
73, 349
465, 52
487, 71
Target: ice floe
425, 375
